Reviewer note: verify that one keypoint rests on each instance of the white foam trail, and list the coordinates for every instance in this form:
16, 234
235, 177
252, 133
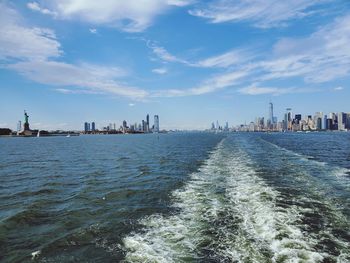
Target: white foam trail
339, 172
226, 212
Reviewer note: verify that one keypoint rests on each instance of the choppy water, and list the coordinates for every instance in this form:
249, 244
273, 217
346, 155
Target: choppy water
191, 197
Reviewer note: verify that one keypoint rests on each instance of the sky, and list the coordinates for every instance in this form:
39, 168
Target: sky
191, 62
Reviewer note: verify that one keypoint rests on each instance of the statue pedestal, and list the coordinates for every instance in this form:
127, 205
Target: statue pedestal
27, 133
26, 127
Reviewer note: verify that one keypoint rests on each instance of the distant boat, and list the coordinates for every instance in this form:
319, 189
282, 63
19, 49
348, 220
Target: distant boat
68, 135
38, 134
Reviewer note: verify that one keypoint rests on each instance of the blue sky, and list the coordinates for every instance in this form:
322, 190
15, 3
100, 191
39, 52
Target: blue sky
191, 62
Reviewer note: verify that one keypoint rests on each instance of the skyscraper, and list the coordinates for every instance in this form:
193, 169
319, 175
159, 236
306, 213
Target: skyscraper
144, 125
347, 123
271, 118
324, 125
288, 119
147, 123
19, 126
93, 126
86, 127
341, 121
156, 123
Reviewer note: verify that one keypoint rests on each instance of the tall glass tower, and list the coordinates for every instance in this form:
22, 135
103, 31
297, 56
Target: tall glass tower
156, 123
271, 118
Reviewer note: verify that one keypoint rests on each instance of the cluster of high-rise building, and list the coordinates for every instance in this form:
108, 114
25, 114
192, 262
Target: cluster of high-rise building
216, 127
143, 127
296, 122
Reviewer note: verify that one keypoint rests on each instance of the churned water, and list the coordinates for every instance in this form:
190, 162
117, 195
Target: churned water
185, 197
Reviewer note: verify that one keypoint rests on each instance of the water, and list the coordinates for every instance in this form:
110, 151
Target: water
187, 197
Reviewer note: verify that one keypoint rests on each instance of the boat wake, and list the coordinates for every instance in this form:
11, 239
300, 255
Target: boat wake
226, 213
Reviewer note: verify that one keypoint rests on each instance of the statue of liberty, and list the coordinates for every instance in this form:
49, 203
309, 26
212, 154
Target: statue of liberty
26, 122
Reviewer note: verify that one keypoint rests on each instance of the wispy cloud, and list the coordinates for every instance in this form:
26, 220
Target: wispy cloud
225, 60
130, 16
265, 14
32, 53
93, 30
338, 88
255, 90
18, 41
163, 54
212, 84
77, 91
321, 57
160, 71
36, 7
85, 76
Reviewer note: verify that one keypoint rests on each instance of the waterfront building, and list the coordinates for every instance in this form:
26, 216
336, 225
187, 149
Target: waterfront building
332, 116
280, 125
318, 117
156, 123
19, 127
260, 123
86, 127
288, 119
297, 118
347, 123
330, 124
319, 123
147, 123
251, 127
324, 125
274, 119
270, 121
341, 121
226, 126
144, 126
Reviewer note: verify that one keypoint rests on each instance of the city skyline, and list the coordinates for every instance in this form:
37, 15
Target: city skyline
294, 121
66, 62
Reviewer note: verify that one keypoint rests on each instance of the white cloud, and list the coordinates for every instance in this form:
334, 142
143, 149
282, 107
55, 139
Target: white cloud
338, 88
29, 51
77, 91
36, 7
85, 76
255, 90
131, 104
321, 57
130, 16
164, 55
160, 71
18, 41
210, 85
224, 60
267, 13
227, 59
93, 30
